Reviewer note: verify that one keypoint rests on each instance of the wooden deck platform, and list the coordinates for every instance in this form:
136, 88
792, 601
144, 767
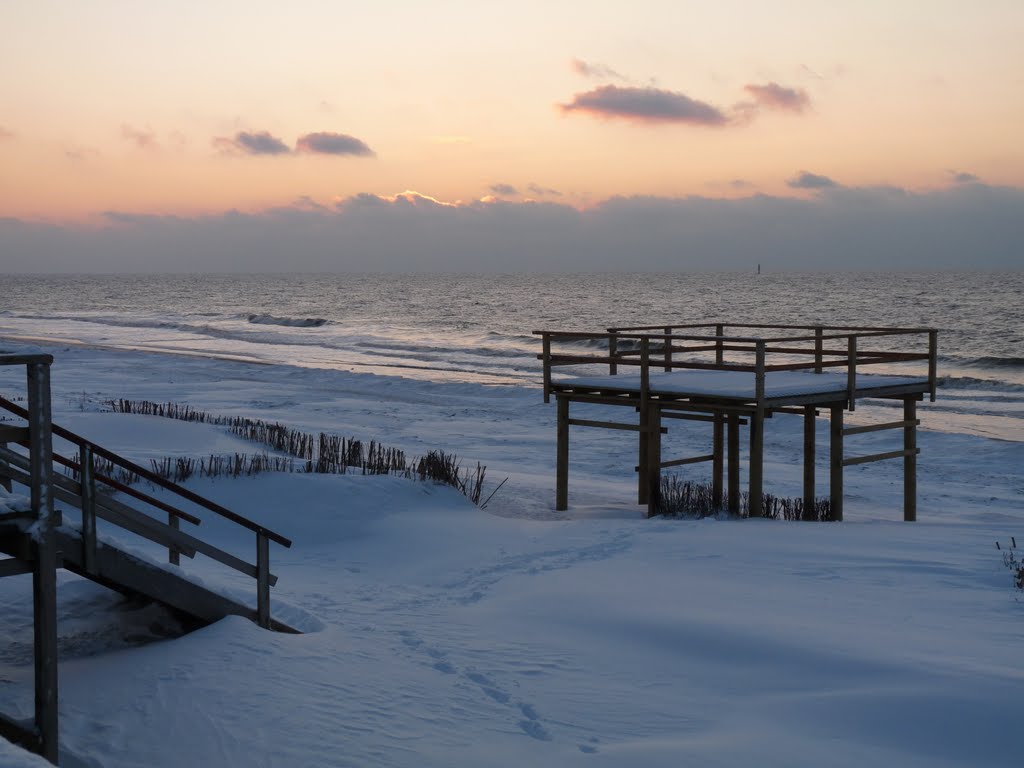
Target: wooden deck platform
699, 372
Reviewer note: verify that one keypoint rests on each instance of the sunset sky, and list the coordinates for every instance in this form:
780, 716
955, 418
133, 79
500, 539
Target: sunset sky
193, 109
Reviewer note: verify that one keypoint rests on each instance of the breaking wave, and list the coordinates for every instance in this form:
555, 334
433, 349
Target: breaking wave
291, 322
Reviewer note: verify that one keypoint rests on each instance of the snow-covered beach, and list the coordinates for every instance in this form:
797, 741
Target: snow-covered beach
442, 634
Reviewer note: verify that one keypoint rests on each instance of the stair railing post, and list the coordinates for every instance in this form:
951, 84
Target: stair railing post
44, 566
263, 580
87, 481
173, 555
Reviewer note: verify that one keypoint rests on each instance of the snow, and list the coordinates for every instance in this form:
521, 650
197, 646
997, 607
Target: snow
438, 634
742, 385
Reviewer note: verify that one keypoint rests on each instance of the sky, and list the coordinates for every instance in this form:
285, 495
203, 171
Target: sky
476, 122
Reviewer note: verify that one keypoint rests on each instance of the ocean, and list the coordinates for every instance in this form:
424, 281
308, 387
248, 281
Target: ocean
477, 328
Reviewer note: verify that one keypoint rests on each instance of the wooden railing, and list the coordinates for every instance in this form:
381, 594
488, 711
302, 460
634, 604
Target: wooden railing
660, 347
82, 491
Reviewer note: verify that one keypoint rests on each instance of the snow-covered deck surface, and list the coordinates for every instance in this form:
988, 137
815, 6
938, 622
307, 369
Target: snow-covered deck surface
739, 384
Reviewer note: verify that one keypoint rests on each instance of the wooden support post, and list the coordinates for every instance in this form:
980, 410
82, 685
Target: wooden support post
910, 459
263, 580
734, 463
719, 345
546, 341
613, 350
44, 573
809, 423
718, 462
756, 475
851, 372
173, 554
87, 480
836, 460
933, 352
562, 458
653, 478
818, 346
643, 457
668, 349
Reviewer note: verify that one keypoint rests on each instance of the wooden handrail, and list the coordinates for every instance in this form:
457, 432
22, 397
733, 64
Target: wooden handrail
156, 479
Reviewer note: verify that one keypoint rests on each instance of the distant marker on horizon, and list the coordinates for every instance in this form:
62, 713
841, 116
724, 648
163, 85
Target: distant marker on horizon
759, 269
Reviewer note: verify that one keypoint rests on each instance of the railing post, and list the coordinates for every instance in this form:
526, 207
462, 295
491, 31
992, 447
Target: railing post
851, 372
44, 566
818, 347
718, 463
835, 441
87, 481
668, 349
263, 580
910, 458
933, 361
643, 449
613, 350
734, 464
756, 478
719, 344
173, 555
547, 367
562, 455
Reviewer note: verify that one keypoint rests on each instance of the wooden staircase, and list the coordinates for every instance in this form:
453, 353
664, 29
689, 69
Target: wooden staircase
38, 540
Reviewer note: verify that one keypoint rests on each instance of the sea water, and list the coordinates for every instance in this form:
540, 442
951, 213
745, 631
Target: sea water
478, 327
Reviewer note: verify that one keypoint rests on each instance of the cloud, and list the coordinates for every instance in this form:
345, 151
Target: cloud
775, 96
966, 225
540, 191
325, 143
504, 190
142, 139
962, 177
740, 184
79, 154
594, 70
5, 133
649, 105
255, 143
808, 180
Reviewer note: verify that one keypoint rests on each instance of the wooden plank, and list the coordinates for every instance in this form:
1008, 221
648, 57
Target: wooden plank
689, 460
878, 427
607, 425
910, 460
905, 453
835, 429
809, 455
562, 455
26, 359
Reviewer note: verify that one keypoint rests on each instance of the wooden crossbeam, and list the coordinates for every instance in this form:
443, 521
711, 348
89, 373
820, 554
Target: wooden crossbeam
879, 427
689, 460
881, 456
612, 425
